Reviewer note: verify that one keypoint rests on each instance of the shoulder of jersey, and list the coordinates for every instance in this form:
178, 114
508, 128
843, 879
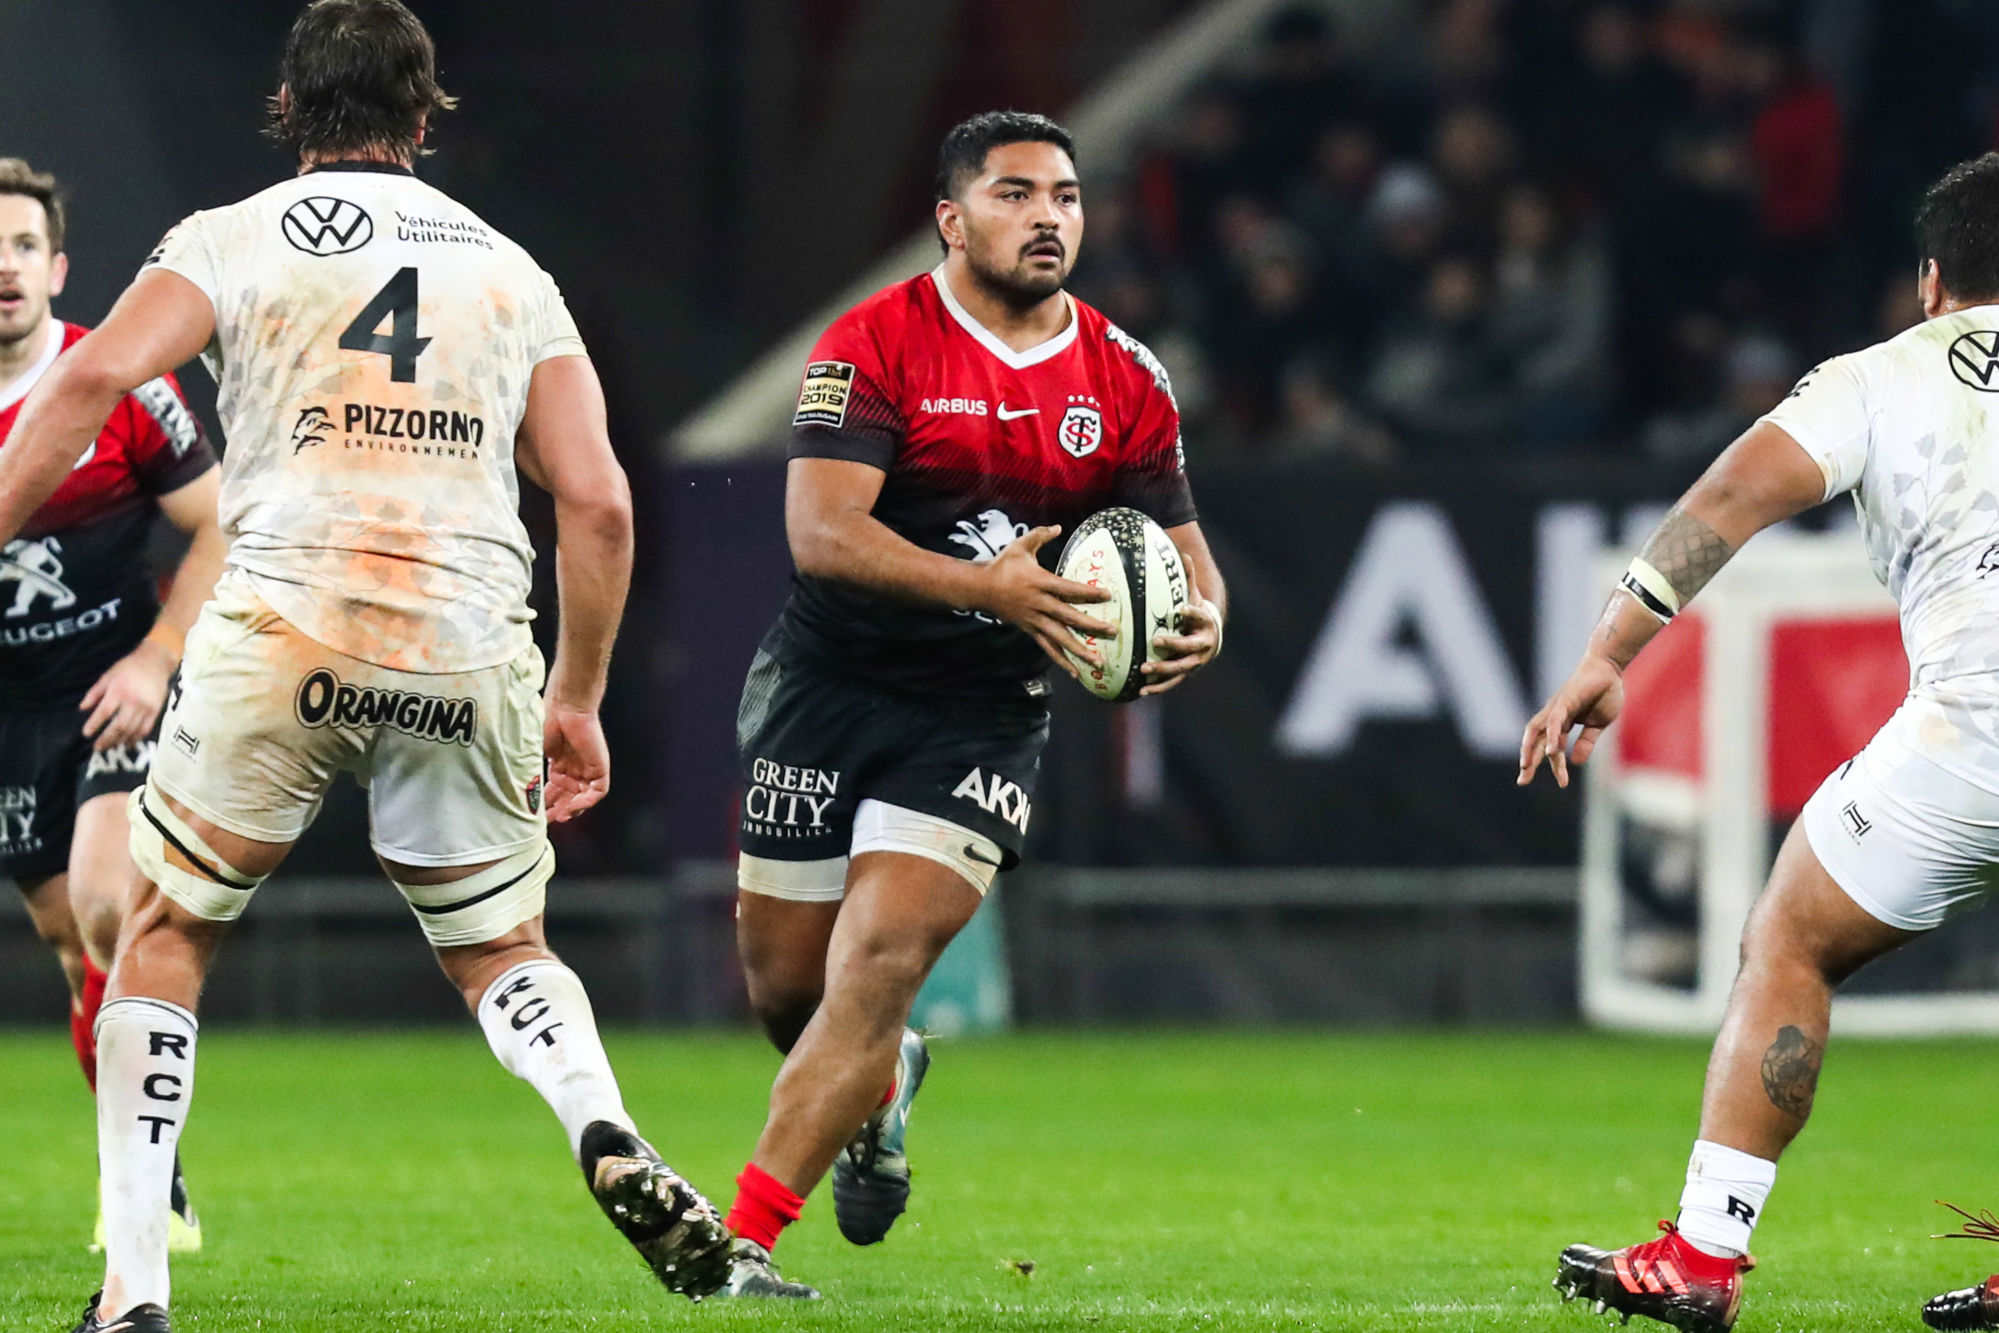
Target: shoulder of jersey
1124, 349
72, 334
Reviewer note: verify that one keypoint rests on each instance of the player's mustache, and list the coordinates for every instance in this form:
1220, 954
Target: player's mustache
1044, 244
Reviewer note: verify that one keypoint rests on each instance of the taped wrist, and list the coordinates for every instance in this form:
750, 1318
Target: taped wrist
1651, 590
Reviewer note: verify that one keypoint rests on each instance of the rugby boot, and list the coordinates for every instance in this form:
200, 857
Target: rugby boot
676, 1231
1969, 1308
183, 1224
871, 1174
1666, 1279
753, 1274
138, 1319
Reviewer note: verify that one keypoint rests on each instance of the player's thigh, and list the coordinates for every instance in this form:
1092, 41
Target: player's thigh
102, 877
455, 781
238, 748
41, 755
964, 796
901, 912
807, 739
1888, 847
782, 944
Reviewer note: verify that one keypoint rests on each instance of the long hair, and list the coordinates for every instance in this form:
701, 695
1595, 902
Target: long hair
358, 75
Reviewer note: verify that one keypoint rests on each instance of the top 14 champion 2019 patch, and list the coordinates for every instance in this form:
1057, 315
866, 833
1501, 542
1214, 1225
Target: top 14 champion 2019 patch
822, 400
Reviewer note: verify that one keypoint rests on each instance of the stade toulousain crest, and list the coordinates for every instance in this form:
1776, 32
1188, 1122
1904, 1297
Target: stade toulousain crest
322, 225
1081, 431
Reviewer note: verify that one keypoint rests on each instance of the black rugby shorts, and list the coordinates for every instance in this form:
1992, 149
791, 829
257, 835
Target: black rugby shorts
814, 743
47, 771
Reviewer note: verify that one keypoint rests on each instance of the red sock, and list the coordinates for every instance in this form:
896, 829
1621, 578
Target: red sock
764, 1207
888, 1096
83, 1020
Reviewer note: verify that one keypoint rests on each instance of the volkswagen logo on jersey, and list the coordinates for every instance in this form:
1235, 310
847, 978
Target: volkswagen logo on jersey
1081, 431
323, 225
1974, 359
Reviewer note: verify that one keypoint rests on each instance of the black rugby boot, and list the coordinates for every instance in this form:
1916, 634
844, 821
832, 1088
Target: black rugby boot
676, 1231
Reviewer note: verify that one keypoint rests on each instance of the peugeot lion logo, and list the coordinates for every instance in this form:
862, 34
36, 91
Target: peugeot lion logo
323, 226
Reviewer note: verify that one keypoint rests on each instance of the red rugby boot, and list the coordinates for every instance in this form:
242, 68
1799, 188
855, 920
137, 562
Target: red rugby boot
1665, 1279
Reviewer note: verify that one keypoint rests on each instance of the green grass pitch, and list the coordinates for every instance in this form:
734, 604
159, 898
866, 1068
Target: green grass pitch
1162, 1181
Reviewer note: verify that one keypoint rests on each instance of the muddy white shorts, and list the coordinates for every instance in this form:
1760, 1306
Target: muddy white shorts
1909, 841
263, 718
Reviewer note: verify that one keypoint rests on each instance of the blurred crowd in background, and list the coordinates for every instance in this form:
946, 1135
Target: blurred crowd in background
1537, 227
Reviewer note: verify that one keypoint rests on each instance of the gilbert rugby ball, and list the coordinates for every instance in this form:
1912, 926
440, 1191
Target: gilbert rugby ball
1131, 557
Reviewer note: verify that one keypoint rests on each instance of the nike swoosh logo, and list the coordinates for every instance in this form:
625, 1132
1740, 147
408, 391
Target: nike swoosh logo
1005, 415
114, 1328
973, 853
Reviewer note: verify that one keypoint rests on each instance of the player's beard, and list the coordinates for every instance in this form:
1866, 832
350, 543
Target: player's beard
23, 323
1019, 285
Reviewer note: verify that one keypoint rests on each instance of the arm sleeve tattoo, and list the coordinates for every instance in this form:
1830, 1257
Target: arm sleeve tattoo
1687, 552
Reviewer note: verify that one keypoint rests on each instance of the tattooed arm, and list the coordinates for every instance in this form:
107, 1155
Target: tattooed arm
1763, 478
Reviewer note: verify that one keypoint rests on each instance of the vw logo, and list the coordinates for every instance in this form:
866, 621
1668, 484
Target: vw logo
1974, 359
322, 225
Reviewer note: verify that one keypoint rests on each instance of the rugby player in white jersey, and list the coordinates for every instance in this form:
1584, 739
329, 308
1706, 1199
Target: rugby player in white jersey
385, 360
1904, 833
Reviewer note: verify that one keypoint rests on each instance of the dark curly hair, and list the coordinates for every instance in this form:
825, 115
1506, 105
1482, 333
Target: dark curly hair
1957, 225
360, 75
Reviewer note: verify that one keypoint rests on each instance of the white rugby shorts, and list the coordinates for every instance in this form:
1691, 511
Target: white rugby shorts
1909, 841
263, 718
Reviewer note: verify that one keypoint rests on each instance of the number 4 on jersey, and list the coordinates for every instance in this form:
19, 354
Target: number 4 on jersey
401, 345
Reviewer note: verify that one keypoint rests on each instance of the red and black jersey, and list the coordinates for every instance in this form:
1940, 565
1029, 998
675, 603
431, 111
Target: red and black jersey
980, 444
75, 591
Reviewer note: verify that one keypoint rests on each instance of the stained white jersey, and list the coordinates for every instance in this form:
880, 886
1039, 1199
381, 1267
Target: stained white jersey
373, 346
1909, 427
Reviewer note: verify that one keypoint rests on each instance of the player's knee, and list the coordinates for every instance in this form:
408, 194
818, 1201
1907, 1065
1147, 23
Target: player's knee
782, 1010
98, 916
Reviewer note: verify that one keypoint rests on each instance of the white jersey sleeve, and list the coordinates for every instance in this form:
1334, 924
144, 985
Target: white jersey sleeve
557, 335
189, 251
1829, 414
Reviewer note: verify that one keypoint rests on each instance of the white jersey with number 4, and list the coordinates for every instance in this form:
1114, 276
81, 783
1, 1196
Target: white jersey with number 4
373, 346
1909, 427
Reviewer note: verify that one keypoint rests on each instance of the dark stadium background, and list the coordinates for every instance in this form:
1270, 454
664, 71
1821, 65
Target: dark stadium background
1509, 271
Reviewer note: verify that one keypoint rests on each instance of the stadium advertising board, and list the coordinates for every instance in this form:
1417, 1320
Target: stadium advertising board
1389, 636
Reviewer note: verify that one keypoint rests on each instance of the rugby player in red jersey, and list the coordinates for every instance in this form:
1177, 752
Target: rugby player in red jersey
86, 649
949, 429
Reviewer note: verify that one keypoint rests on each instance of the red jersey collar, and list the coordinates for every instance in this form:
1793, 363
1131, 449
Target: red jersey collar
21, 387
1034, 355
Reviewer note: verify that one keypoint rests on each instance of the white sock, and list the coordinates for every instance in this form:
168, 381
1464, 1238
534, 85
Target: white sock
145, 1079
1724, 1198
538, 1021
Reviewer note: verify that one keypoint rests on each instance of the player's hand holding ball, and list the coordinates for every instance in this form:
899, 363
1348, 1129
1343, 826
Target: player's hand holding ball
127, 698
1199, 639
1023, 594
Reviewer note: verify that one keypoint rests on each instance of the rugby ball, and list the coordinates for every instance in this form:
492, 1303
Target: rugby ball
1129, 556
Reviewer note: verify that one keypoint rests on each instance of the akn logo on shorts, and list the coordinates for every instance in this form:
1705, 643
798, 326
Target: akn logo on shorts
996, 796
134, 758
326, 700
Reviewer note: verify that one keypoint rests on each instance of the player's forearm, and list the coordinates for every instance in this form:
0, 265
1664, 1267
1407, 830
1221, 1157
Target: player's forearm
194, 579
860, 550
57, 423
593, 574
